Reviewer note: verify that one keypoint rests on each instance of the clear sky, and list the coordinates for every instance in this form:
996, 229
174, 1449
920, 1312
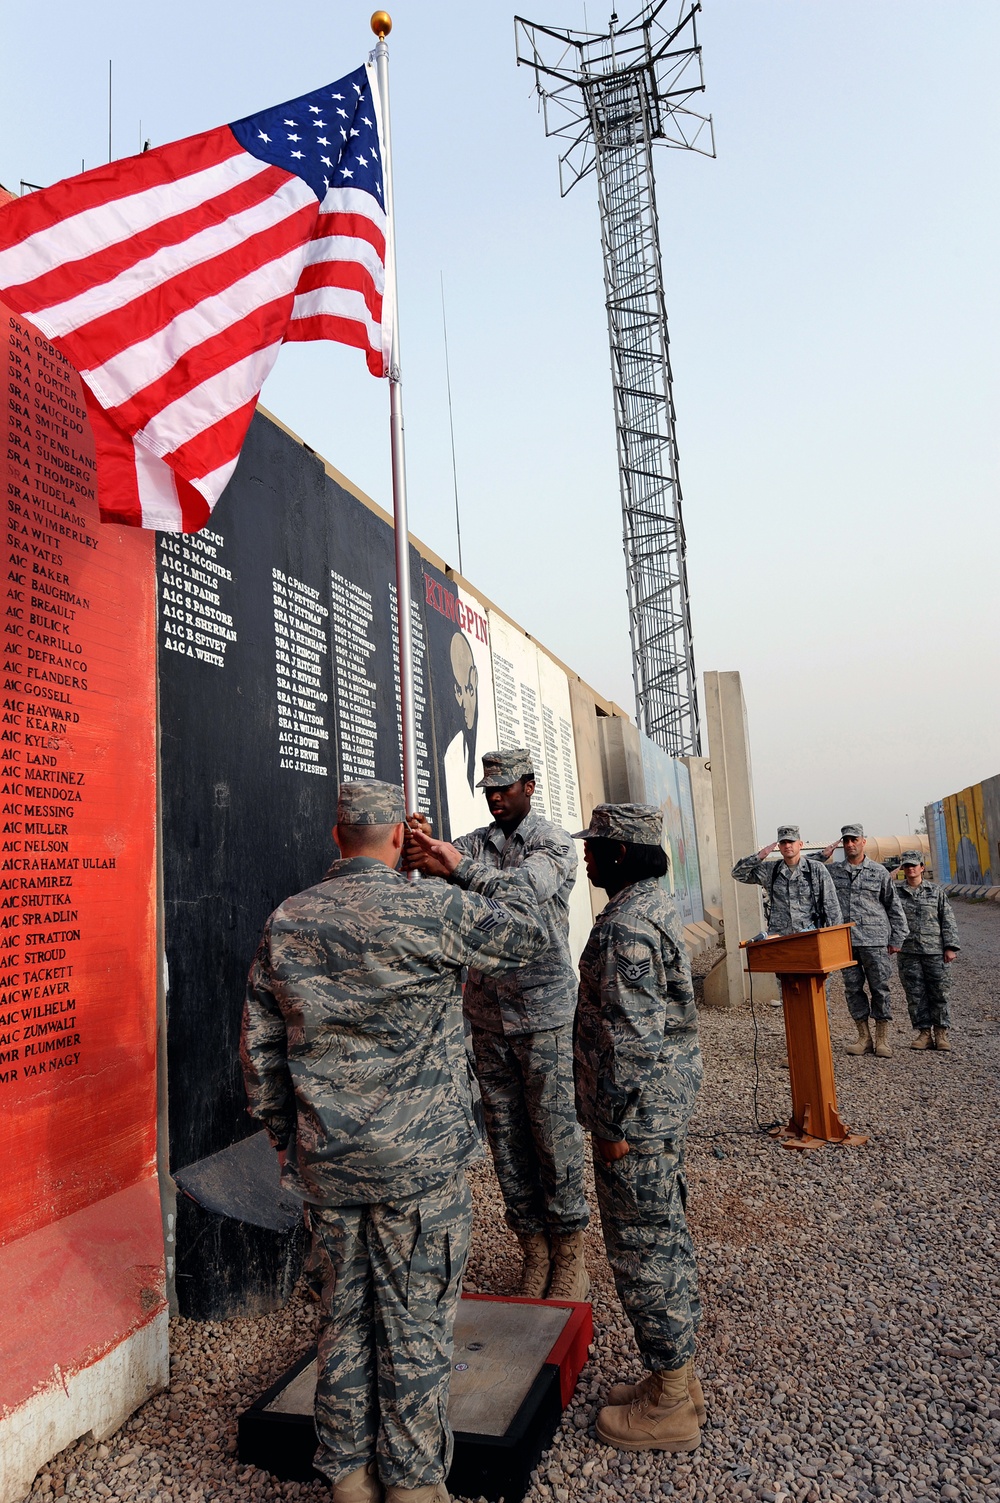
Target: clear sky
833, 297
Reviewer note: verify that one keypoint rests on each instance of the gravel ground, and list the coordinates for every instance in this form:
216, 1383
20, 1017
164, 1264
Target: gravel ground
849, 1348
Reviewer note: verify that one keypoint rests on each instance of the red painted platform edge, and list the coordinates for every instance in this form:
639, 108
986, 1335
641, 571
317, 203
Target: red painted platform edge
73, 1291
573, 1344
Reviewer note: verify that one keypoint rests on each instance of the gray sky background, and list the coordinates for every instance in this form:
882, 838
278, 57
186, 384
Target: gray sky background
832, 291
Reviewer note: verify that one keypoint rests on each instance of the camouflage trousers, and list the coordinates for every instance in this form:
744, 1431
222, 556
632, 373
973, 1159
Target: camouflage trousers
643, 1199
391, 1280
526, 1082
875, 967
926, 981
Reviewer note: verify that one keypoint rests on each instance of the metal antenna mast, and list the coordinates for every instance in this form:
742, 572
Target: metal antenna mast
612, 95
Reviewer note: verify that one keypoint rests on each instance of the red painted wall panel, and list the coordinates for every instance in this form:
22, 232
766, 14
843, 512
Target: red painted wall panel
77, 812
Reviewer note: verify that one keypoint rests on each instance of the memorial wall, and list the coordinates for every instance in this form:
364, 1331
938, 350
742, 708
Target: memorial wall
277, 679
262, 654
79, 1200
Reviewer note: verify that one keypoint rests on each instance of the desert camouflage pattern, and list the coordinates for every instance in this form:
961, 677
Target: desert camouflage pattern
391, 1280
929, 918
926, 981
352, 1046
869, 899
501, 768
370, 802
635, 824
796, 898
526, 1083
874, 966
539, 860
638, 1070
642, 1199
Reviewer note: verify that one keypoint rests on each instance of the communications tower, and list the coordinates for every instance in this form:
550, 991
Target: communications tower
612, 96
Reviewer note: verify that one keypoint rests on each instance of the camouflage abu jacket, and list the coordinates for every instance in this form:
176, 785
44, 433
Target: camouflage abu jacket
352, 1045
540, 859
869, 900
636, 1057
797, 898
932, 922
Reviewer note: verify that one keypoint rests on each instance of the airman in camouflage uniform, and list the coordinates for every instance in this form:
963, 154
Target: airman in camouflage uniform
869, 899
928, 951
798, 893
354, 1060
638, 1070
522, 1031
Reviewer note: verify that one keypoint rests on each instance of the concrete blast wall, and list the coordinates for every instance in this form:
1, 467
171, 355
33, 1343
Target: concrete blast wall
735, 833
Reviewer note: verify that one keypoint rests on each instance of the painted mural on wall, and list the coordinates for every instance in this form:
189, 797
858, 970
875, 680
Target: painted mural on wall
964, 829
668, 783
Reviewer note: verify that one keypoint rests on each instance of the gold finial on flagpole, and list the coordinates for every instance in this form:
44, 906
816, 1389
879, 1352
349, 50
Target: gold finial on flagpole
381, 24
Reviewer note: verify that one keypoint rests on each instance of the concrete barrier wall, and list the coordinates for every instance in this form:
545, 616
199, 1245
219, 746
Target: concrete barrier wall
964, 829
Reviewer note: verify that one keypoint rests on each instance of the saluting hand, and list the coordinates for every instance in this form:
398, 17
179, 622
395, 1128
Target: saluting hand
763, 855
828, 850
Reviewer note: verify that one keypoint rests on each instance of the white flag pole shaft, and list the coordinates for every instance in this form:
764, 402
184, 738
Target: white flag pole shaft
381, 25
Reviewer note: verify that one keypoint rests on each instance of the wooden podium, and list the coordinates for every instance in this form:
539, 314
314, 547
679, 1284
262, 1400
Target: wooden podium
802, 963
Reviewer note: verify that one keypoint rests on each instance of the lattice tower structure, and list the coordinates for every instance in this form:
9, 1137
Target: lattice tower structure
613, 95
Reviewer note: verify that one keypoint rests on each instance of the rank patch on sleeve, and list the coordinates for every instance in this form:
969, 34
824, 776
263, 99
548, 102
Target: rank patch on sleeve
489, 921
633, 971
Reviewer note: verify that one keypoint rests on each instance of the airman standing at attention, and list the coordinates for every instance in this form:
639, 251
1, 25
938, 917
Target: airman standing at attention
522, 1028
354, 1060
928, 951
869, 899
638, 1069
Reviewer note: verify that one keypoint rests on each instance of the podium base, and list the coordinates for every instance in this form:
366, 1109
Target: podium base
792, 1136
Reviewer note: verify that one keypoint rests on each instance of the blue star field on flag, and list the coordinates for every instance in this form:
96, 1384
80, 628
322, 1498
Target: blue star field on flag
329, 138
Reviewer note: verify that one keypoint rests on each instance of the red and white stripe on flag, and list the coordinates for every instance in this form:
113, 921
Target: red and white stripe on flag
171, 279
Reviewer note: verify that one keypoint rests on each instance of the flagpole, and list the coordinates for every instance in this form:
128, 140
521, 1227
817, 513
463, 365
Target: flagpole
381, 24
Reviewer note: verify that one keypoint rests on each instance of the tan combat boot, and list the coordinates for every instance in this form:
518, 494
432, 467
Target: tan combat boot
570, 1279
883, 1049
941, 1040
360, 1486
922, 1039
863, 1043
536, 1266
628, 1393
434, 1492
664, 1419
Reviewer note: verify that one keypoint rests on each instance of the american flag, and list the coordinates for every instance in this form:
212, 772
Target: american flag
170, 280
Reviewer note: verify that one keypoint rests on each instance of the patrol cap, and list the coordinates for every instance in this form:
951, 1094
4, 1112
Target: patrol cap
635, 824
858, 831
370, 802
911, 858
788, 832
501, 768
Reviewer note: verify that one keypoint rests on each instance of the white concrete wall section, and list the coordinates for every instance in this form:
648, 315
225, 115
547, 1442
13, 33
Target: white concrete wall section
704, 822
98, 1399
735, 823
533, 709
